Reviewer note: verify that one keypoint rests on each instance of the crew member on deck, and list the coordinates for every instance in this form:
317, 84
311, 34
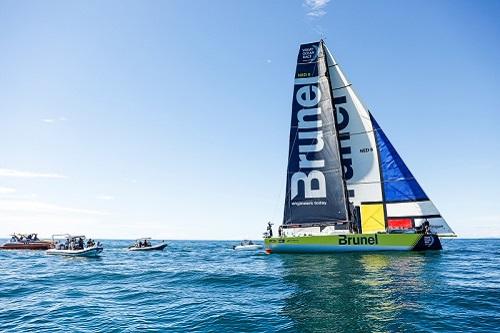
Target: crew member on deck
269, 229
427, 227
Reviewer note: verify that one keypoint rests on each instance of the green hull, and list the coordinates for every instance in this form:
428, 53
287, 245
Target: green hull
353, 242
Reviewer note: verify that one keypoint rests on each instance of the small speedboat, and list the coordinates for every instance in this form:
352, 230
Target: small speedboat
247, 245
26, 242
86, 252
144, 244
74, 246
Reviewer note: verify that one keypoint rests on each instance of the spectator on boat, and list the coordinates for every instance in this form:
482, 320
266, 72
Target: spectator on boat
80, 243
280, 230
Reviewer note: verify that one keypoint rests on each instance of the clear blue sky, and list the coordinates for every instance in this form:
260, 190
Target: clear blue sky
171, 118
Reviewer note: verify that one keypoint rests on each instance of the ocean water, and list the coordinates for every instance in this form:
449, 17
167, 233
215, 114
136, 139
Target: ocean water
205, 286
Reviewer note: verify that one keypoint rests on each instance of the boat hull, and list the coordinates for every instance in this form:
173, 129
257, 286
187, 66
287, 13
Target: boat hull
247, 247
42, 245
88, 252
353, 243
158, 247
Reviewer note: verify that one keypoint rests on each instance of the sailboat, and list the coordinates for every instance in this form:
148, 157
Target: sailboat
347, 188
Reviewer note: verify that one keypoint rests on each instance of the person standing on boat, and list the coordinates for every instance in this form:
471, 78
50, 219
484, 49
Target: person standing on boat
280, 230
427, 227
269, 229
355, 223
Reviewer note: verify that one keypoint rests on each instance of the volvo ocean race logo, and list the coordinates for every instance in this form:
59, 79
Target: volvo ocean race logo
308, 98
428, 241
308, 53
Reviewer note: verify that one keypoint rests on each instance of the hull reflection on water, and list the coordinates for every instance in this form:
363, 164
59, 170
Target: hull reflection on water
362, 292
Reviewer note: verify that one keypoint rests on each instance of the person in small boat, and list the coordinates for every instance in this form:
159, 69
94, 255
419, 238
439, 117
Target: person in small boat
80, 243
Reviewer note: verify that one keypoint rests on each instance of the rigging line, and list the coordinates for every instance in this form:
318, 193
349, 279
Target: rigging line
355, 133
338, 88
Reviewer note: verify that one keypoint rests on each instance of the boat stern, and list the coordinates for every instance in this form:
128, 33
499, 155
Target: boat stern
428, 242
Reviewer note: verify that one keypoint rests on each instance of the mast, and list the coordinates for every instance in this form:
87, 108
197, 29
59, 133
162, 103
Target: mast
346, 194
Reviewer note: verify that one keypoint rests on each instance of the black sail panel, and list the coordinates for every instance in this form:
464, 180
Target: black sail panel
315, 189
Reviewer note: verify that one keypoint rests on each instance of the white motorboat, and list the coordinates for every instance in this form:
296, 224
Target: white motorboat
74, 246
247, 245
144, 244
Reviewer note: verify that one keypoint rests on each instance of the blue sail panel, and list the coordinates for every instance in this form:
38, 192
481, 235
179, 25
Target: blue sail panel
399, 185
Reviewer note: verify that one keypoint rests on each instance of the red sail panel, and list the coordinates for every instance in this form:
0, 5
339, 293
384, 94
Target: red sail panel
400, 223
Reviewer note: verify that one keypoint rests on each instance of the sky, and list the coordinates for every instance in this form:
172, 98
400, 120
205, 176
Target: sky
170, 119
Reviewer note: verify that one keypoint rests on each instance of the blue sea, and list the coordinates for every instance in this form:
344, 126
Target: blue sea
205, 286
